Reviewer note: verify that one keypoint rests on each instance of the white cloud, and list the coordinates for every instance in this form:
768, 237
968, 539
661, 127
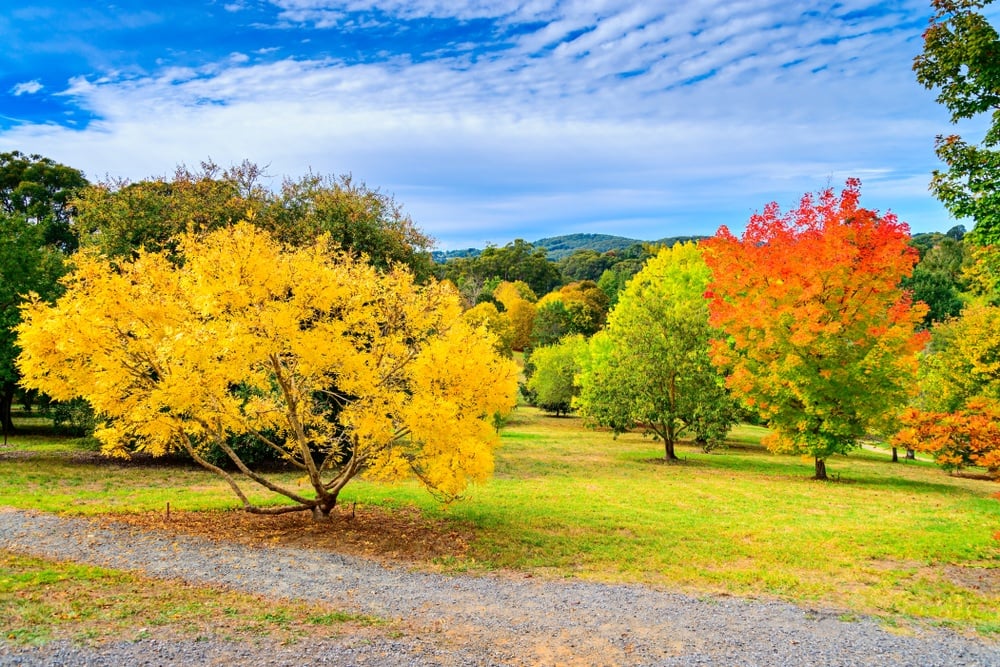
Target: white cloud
546, 136
26, 88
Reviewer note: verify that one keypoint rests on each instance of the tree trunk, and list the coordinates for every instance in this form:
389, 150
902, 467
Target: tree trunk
321, 514
911, 454
6, 403
895, 455
820, 469
668, 450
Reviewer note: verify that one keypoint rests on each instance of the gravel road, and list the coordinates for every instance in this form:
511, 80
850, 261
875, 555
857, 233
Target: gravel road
465, 620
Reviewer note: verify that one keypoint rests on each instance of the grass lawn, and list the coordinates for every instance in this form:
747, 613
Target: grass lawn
42, 600
899, 541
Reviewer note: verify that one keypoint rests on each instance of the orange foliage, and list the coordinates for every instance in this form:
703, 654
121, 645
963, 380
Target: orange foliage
970, 436
819, 336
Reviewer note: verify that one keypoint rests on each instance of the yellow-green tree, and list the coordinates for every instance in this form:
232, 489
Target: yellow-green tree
487, 315
556, 367
341, 369
651, 366
962, 361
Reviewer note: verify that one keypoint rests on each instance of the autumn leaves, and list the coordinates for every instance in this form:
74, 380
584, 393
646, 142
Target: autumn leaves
340, 367
820, 338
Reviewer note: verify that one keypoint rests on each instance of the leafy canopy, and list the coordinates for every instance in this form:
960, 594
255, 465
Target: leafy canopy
40, 189
969, 436
819, 337
346, 369
651, 365
553, 382
119, 218
961, 59
963, 360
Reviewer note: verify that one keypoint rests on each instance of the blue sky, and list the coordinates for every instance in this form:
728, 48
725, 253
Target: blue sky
491, 120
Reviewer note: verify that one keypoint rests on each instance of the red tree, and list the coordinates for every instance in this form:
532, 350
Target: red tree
820, 338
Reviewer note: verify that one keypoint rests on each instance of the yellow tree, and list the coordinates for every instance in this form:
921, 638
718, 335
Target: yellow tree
486, 315
341, 369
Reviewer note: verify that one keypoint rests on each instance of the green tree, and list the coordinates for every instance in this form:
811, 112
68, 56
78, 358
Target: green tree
358, 218
651, 366
35, 233
961, 60
937, 279
26, 265
120, 217
614, 280
516, 261
555, 369
585, 264
40, 189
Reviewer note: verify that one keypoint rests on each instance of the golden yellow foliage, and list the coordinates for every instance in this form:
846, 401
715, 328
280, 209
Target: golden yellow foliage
339, 367
486, 315
522, 322
508, 293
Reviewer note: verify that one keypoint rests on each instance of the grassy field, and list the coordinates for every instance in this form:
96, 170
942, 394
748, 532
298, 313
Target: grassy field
901, 541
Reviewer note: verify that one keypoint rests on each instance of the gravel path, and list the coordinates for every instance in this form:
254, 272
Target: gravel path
465, 620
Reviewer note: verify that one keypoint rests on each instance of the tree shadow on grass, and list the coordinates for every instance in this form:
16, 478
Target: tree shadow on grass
754, 460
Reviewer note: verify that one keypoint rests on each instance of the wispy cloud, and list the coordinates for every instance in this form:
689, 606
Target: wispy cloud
622, 117
26, 88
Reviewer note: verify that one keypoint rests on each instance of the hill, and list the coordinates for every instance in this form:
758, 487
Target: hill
559, 247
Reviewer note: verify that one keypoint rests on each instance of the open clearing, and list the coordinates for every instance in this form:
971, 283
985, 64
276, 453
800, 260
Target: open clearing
903, 542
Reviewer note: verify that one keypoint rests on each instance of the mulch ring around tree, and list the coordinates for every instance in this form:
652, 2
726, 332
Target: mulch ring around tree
375, 532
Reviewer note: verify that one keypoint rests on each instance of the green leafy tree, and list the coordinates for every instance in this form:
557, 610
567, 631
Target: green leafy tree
119, 218
614, 280
961, 60
585, 264
357, 217
516, 261
551, 323
26, 265
555, 368
651, 366
35, 233
937, 279
40, 189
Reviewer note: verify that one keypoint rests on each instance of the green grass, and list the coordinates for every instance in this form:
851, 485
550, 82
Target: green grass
899, 541
43, 600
